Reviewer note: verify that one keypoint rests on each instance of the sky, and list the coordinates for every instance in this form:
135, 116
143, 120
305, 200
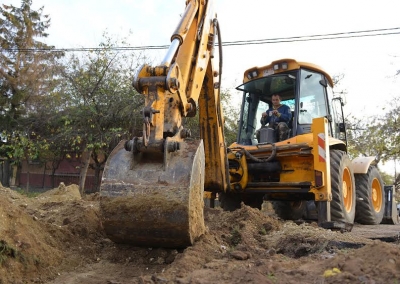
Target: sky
367, 63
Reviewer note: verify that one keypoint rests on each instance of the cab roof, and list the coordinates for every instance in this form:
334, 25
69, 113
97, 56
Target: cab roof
283, 65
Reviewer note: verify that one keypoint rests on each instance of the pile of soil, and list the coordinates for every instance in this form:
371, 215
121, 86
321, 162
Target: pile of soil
57, 237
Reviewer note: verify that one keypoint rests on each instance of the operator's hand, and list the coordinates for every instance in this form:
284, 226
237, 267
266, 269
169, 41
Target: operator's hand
276, 113
264, 114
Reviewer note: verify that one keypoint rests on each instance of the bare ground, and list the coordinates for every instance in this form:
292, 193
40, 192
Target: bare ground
57, 238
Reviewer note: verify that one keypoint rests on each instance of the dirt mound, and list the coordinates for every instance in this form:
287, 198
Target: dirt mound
60, 194
57, 238
27, 246
40, 235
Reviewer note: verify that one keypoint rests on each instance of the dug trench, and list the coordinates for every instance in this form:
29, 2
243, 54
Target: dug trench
57, 237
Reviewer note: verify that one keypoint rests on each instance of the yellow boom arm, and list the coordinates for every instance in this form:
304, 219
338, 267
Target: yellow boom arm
152, 187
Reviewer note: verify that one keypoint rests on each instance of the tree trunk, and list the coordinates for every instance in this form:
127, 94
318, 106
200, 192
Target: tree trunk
6, 173
53, 172
44, 175
83, 173
54, 166
15, 174
97, 177
1, 172
27, 178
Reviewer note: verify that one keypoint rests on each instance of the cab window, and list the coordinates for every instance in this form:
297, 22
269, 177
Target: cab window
312, 102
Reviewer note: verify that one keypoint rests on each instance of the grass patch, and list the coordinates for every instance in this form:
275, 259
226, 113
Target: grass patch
272, 277
262, 231
236, 237
7, 251
27, 194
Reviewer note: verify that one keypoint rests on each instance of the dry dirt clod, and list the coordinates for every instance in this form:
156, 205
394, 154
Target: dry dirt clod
240, 255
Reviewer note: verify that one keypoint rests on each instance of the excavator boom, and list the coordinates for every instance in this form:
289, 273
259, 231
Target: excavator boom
152, 186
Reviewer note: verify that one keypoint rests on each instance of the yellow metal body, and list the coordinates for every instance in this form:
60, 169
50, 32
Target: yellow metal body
312, 165
291, 65
322, 163
300, 157
303, 158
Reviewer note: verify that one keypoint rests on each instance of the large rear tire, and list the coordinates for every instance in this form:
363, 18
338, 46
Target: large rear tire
343, 202
370, 205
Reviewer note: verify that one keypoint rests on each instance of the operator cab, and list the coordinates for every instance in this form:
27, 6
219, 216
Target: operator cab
303, 87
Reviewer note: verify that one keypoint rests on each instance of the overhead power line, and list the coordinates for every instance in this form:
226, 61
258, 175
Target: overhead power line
342, 35
320, 36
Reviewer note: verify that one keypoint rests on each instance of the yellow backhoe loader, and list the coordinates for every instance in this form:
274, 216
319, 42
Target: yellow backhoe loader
153, 186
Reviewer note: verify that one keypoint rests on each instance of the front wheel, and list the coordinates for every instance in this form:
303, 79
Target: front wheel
370, 197
343, 202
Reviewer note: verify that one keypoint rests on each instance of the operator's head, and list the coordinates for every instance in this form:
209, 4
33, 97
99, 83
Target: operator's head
276, 99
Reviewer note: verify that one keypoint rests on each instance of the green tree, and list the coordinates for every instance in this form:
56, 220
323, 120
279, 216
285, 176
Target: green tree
376, 136
26, 148
364, 139
103, 106
50, 123
27, 72
389, 130
231, 115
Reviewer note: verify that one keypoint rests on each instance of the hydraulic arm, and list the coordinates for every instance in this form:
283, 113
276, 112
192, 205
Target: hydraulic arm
152, 186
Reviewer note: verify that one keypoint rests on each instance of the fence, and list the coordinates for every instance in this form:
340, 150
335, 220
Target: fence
38, 181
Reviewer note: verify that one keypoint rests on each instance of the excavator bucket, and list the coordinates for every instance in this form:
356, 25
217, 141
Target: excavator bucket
154, 199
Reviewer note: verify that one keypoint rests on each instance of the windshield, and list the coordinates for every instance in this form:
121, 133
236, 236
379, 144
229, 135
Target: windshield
312, 97
283, 84
257, 99
303, 90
